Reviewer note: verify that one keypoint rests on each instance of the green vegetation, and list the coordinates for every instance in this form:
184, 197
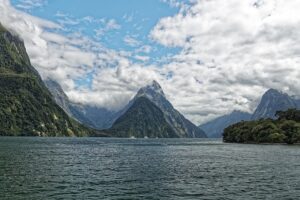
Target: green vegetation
285, 129
26, 106
143, 119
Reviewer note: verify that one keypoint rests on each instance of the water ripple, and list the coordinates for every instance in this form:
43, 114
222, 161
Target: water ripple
96, 168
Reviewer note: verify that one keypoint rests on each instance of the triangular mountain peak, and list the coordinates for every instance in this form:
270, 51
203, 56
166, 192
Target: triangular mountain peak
181, 126
272, 101
273, 92
152, 90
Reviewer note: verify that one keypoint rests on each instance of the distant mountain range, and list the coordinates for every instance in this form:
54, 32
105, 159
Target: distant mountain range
150, 98
214, 128
92, 116
271, 102
101, 118
26, 106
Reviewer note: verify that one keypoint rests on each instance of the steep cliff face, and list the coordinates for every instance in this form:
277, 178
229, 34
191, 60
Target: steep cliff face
91, 116
26, 106
76, 111
271, 102
59, 95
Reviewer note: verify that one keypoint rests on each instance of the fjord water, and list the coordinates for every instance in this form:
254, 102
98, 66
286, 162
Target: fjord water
96, 168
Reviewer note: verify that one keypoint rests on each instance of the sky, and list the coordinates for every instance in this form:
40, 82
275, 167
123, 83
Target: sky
210, 56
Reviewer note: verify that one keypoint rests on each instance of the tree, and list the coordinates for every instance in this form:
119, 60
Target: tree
291, 114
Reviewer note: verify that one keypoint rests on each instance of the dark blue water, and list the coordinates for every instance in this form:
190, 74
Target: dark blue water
95, 168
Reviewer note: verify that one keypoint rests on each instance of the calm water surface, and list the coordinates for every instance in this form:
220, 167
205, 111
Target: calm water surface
95, 168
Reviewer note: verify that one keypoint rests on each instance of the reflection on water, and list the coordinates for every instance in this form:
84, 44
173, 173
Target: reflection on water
96, 168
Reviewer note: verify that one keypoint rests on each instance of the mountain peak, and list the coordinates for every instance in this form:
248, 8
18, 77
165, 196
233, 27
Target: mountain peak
155, 84
273, 91
151, 91
271, 102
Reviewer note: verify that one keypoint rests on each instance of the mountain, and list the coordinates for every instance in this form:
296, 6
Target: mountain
143, 119
154, 93
72, 109
26, 105
297, 101
271, 102
92, 116
59, 95
182, 126
215, 128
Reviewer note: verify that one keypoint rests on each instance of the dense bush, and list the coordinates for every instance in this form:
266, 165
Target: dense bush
286, 129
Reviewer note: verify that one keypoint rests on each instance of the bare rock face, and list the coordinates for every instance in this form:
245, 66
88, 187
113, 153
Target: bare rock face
271, 102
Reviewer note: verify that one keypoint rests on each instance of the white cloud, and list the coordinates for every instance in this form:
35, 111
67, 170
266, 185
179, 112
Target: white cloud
64, 58
117, 85
131, 41
144, 49
108, 26
29, 4
236, 49
142, 58
112, 24
174, 3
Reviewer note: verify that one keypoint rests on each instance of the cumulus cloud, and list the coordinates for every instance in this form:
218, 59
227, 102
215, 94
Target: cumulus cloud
232, 51
118, 85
